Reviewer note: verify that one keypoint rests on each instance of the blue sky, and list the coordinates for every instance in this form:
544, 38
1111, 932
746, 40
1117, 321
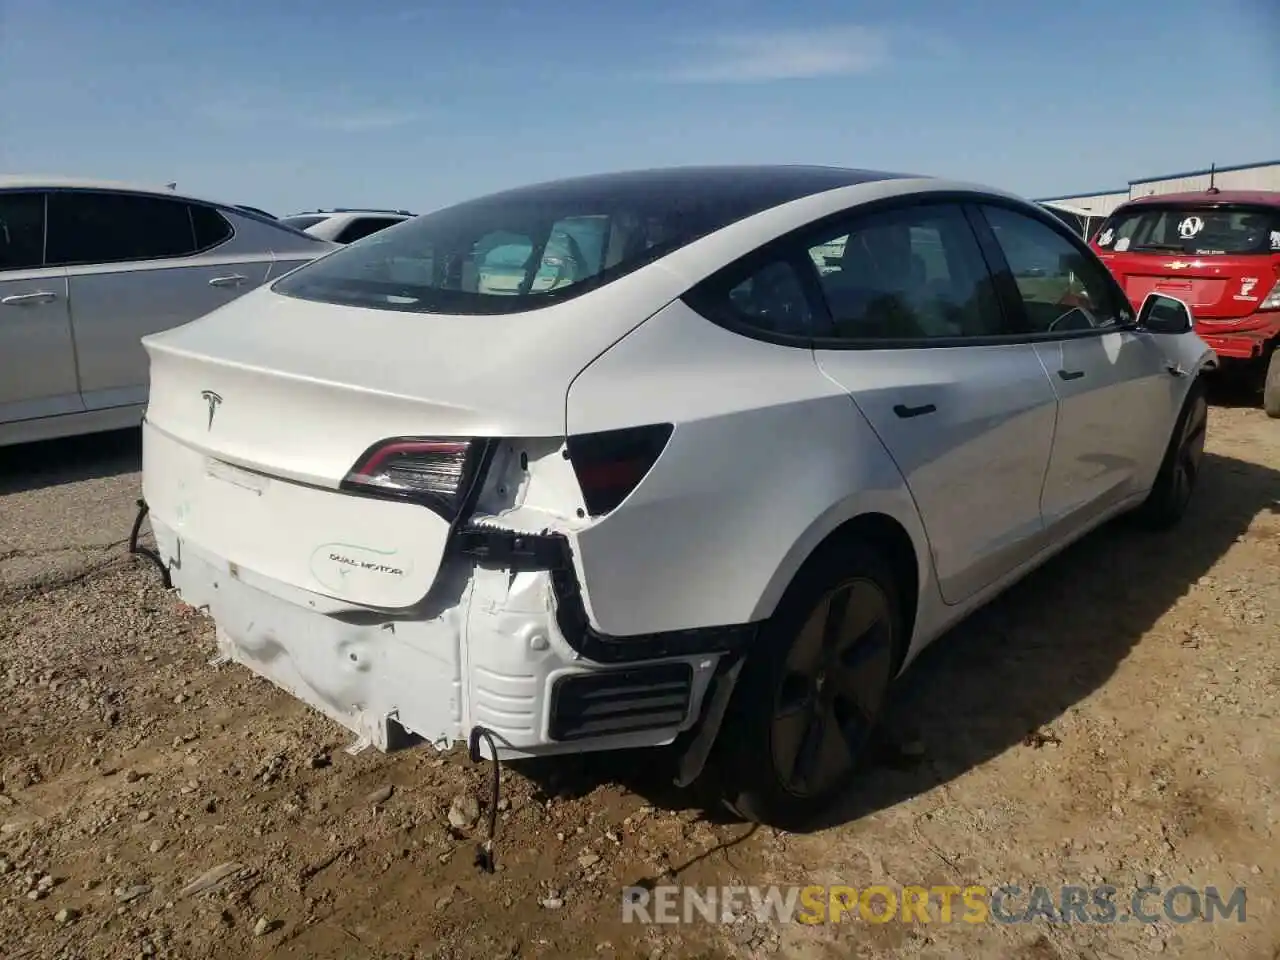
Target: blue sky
293, 104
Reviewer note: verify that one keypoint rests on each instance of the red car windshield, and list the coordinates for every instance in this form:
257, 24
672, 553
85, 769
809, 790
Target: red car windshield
1192, 230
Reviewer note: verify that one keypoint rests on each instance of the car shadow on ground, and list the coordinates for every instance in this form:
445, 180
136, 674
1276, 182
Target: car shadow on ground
50, 463
1012, 668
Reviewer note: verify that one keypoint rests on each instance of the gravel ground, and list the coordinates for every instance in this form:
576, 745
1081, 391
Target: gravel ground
1112, 719
66, 507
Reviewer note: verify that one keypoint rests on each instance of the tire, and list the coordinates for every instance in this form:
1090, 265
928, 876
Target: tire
1175, 484
780, 696
1271, 384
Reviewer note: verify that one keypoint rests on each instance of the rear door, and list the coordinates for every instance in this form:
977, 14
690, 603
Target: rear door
1117, 396
138, 264
37, 357
968, 420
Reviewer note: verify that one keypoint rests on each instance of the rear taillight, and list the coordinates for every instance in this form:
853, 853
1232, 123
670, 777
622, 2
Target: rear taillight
611, 464
438, 473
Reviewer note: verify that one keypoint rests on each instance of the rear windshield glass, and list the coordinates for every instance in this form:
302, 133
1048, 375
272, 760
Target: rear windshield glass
527, 248
301, 223
1192, 230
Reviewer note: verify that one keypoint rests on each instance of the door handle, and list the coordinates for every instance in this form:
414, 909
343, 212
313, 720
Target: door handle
232, 281
906, 412
1175, 369
18, 299
1071, 374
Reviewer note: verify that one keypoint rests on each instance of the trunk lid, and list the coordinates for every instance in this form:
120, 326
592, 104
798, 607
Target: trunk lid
362, 550
259, 410
299, 389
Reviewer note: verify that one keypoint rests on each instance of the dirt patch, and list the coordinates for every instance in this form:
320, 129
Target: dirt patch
1111, 720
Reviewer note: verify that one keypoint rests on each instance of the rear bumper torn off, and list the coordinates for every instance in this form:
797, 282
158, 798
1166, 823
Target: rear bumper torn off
493, 655
550, 553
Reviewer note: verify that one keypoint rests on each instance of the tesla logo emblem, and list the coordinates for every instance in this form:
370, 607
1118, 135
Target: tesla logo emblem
213, 400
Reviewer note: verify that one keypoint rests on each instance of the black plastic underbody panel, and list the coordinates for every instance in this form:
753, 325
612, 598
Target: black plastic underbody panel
551, 552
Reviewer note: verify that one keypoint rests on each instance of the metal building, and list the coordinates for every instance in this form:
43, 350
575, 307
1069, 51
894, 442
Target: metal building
1094, 204
1245, 176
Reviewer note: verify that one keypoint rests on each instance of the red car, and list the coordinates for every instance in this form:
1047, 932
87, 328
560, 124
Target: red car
1219, 252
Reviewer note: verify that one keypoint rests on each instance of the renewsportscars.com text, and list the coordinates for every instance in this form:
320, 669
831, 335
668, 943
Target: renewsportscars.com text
813, 904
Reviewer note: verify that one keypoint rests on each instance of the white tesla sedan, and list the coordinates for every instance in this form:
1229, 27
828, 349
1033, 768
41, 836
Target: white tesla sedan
703, 455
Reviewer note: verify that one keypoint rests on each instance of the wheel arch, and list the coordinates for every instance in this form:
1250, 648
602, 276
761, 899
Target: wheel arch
891, 527
889, 521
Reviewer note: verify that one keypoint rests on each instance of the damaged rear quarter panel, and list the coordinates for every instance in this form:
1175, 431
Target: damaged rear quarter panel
767, 457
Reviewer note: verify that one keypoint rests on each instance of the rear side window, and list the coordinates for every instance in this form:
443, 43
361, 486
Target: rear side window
911, 274
773, 299
1192, 230
211, 228
21, 230
87, 227
761, 295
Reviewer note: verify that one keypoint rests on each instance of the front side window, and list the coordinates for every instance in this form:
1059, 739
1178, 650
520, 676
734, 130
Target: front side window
87, 227
911, 274
1062, 288
1194, 230
21, 231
